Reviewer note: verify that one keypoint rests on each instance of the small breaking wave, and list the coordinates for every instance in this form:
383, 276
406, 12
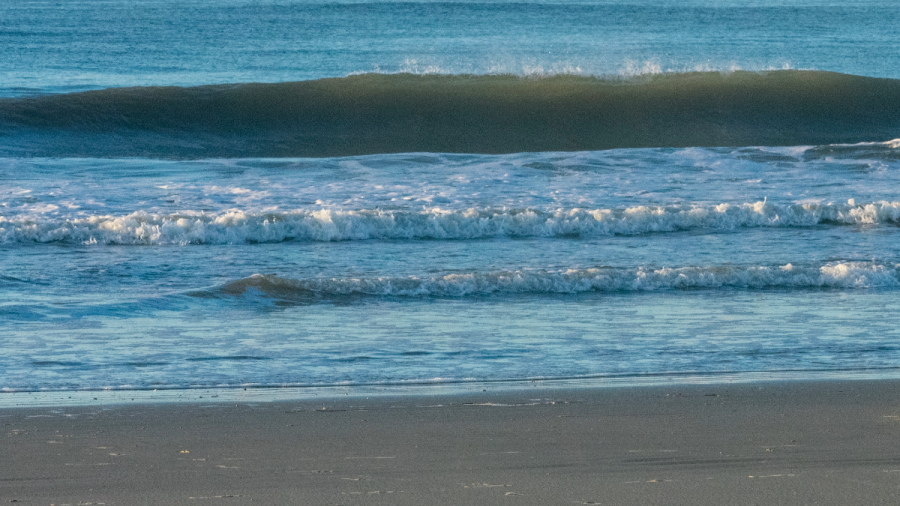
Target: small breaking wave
846, 275
238, 227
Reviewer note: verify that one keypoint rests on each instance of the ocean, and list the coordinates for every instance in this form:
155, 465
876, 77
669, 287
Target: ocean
220, 195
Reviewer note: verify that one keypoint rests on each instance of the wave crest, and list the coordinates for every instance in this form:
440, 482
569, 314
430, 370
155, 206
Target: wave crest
601, 279
235, 226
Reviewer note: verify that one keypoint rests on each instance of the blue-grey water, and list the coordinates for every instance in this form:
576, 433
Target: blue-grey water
141, 273
54, 46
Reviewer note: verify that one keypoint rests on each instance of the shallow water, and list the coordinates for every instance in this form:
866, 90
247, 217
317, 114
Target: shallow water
445, 268
152, 265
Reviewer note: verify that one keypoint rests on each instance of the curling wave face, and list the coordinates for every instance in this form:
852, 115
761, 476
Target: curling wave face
378, 113
236, 227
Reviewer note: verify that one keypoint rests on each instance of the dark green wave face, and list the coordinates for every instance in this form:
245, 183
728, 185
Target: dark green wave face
378, 113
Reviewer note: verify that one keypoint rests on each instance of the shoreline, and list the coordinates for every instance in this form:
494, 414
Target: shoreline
795, 442
291, 393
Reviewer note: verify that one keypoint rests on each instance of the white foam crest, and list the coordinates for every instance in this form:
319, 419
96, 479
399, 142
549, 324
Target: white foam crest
237, 226
554, 65
891, 144
634, 68
413, 66
602, 279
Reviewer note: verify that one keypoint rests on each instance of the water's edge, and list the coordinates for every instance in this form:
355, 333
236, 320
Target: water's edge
256, 394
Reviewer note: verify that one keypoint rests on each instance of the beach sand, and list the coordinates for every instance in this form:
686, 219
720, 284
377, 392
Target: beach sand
762, 443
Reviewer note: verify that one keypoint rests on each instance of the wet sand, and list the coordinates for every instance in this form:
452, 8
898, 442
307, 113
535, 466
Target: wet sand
765, 443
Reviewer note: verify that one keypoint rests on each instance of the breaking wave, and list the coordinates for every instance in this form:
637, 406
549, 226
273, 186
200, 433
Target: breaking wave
236, 227
601, 279
378, 113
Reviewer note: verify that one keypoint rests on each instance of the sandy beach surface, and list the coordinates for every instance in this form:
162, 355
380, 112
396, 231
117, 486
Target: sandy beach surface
763, 443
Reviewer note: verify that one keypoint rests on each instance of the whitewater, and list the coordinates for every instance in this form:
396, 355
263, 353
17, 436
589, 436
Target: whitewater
630, 194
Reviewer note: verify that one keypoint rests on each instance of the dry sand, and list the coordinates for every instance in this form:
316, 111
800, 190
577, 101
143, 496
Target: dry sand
765, 443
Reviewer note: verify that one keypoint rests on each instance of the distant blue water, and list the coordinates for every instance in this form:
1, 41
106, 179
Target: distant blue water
140, 273
75, 45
